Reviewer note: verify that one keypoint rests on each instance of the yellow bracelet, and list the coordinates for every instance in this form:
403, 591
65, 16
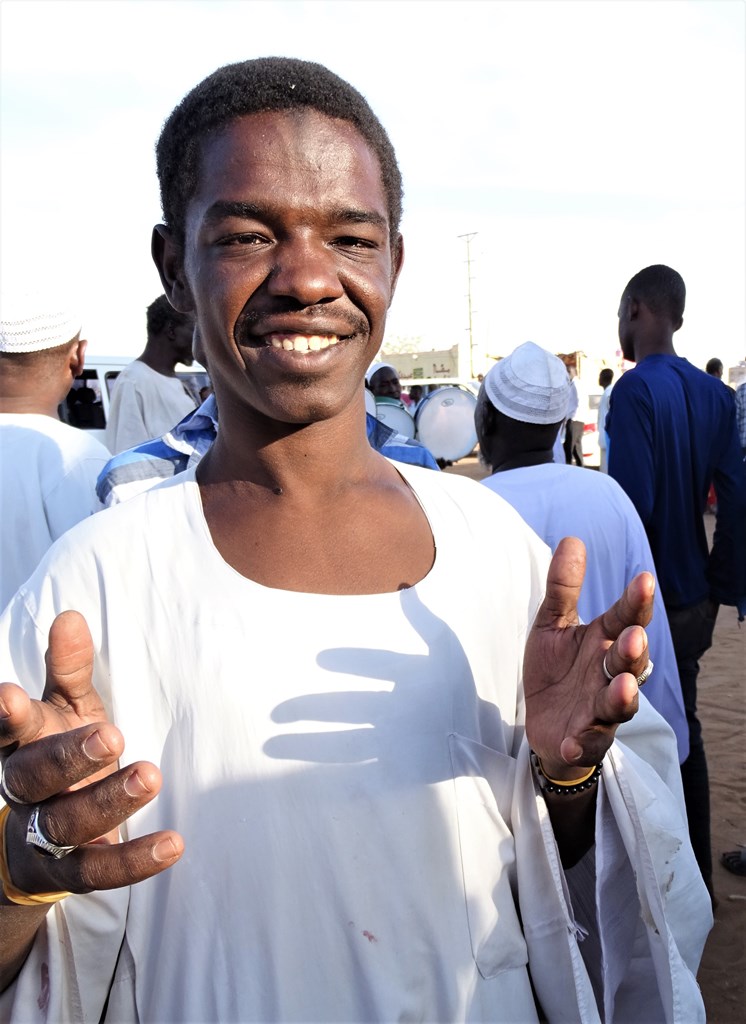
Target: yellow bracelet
566, 782
568, 787
23, 899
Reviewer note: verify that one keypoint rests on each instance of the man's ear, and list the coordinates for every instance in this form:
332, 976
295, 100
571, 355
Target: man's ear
168, 257
76, 362
397, 261
679, 324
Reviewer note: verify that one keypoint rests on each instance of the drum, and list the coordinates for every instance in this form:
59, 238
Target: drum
392, 412
444, 423
370, 402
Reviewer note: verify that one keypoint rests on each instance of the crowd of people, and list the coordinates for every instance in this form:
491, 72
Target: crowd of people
399, 745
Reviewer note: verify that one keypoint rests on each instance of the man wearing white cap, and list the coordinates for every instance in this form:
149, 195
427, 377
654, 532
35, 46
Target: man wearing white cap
521, 402
383, 380
48, 469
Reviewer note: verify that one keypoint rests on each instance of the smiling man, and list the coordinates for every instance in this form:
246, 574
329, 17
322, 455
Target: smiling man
389, 775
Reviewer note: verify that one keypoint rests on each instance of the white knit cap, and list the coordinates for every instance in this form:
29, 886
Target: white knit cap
33, 321
530, 385
376, 367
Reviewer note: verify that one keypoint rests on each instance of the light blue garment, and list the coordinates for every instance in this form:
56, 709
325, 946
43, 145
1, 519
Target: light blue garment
567, 501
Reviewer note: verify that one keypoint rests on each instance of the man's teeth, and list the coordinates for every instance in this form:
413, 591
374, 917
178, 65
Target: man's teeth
302, 342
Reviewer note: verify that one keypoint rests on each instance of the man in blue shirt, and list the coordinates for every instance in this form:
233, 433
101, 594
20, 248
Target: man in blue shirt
673, 433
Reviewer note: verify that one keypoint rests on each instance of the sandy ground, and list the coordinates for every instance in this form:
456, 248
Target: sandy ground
722, 705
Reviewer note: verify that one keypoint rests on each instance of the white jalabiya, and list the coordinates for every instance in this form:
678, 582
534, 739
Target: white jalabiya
48, 473
352, 782
144, 404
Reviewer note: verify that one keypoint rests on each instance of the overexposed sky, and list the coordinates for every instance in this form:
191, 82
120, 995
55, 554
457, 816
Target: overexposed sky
580, 139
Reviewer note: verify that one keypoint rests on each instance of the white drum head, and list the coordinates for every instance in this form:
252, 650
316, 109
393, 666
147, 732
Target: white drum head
445, 423
370, 402
392, 412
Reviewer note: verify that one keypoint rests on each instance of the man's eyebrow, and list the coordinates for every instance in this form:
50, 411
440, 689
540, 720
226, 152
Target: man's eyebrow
223, 208
358, 216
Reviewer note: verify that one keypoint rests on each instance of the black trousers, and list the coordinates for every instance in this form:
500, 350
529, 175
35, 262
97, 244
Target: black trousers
574, 442
691, 632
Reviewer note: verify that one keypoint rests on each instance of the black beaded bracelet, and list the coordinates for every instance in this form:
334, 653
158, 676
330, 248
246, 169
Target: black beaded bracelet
548, 785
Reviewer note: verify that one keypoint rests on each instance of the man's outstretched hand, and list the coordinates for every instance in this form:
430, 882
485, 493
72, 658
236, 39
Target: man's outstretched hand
61, 754
572, 710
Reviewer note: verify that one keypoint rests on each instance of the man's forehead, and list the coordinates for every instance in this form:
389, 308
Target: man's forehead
304, 130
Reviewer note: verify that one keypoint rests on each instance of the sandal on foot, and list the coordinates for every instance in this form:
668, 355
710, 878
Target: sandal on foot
734, 861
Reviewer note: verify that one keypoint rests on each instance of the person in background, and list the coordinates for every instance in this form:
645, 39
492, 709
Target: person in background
574, 428
672, 431
415, 397
48, 469
605, 381
520, 406
396, 778
715, 368
741, 415
383, 381
148, 396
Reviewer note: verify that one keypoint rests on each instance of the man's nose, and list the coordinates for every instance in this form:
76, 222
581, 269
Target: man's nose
305, 270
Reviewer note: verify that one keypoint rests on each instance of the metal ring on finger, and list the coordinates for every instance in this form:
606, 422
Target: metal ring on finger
646, 673
35, 837
7, 793
643, 676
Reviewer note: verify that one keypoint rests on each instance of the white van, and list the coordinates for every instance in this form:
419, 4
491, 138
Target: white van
88, 401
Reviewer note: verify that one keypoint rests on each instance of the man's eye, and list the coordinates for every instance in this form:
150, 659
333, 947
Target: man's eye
352, 242
245, 238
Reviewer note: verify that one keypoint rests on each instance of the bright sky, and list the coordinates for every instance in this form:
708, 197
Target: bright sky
581, 141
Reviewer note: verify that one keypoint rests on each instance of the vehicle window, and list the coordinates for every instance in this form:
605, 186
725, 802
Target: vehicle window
82, 408
594, 401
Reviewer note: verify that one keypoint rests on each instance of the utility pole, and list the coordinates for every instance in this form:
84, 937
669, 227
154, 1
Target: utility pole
468, 237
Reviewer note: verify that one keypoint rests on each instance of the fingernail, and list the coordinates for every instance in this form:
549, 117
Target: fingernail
164, 850
134, 786
95, 748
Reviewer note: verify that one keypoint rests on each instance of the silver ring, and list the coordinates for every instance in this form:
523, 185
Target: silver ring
646, 673
35, 837
8, 794
642, 678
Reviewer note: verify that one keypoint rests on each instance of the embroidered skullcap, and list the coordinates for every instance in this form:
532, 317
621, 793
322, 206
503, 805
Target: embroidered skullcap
379, 366
33, 321
530, 385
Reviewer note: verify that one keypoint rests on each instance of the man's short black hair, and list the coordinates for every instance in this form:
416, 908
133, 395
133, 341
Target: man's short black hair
250, 87
714, 367
605, 377
160, 314
661, 289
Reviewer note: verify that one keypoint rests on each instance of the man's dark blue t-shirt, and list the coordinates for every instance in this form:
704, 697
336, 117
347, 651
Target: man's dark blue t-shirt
672, 431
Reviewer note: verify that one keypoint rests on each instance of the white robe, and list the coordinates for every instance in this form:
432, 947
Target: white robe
144, 404
361, 821
48, 473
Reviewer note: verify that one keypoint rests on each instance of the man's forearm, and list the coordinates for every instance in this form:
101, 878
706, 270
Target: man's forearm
573, 817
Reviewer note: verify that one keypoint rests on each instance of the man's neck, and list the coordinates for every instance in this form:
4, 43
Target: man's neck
39, 405
157, 362
522, 459
661, 345
313, 457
